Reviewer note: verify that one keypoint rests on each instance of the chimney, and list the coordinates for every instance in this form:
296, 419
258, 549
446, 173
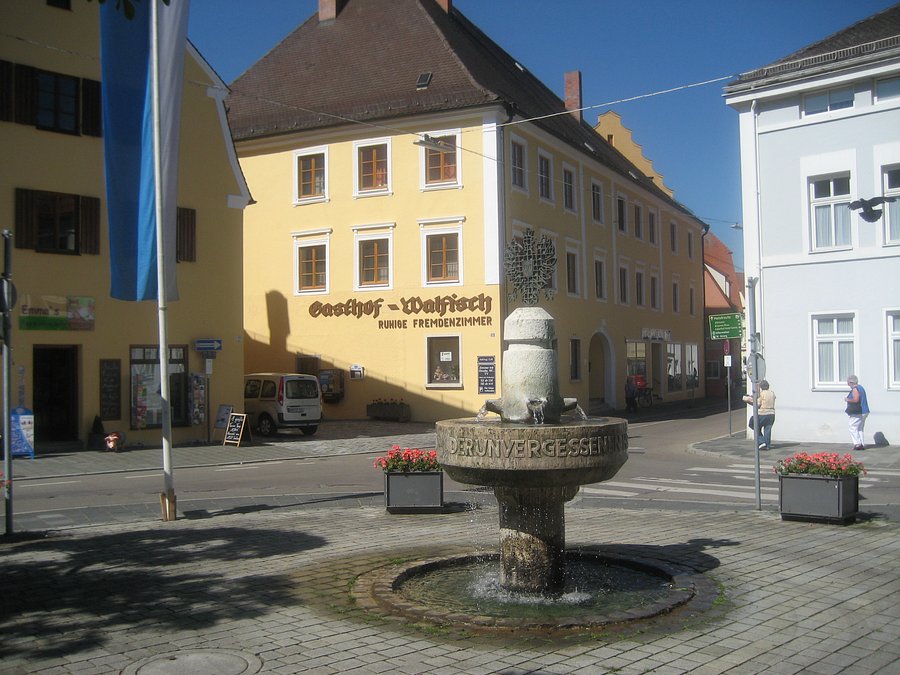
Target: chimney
573, 93
445, 5
328, 9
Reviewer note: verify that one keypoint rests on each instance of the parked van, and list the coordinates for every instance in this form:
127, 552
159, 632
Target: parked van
276, 401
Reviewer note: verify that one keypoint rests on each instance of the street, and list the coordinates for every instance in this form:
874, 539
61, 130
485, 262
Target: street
661, 472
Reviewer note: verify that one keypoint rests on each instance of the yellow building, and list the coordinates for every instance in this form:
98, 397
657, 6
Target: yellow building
76, 352
394, 152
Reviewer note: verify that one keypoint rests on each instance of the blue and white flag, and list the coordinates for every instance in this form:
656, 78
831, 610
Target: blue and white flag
126, 55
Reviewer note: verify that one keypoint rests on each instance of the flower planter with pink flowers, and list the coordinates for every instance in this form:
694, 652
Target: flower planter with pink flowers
413, 480
822, 487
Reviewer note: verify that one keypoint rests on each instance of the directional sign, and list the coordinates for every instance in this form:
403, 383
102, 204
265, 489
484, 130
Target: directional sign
724, 326
208, 345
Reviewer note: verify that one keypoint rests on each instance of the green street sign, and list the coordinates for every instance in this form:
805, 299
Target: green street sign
724, 326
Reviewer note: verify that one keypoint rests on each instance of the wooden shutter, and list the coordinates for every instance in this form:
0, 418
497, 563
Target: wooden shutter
6, 91
24, 108
25, 218
91, 115
89, 225
186, 235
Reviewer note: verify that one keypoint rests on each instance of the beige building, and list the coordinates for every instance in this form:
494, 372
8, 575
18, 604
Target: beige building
392, 171
76, 352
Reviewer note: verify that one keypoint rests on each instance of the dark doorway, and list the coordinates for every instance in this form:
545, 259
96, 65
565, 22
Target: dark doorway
55, 393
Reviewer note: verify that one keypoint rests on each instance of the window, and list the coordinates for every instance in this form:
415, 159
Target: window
893, 338
654, 292
620, 214
599, 279
651, 226
443, 361
572, 272
146, 401
892, 209
597, 202
691, 354
636, 358
545, 177
442, 254
568, 189
517, 162
830, 206
674, 367
691, 307
310, 179
574, 359
639, 289
374, 257
623, 285
185, 235
673, 237
49, 101
372, 168
57, 102
638, 222
55, 222
690, 245
887, 89
440, 165
834, 346
825, 101
675, 296
311, 262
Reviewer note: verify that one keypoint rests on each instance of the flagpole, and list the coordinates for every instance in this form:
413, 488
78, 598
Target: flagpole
167, 498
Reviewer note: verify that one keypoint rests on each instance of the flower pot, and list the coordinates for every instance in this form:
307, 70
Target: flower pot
414, 491
389, 411
818, 498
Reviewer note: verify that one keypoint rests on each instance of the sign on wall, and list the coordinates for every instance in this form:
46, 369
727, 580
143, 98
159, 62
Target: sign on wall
487, 375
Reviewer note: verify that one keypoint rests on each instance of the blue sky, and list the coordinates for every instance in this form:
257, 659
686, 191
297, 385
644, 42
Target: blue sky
623, 49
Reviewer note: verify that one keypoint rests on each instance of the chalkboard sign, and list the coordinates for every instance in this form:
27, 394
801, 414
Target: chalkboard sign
222, 415
234, 432
110, 389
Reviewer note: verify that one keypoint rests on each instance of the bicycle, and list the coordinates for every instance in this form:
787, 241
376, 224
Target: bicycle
645, 397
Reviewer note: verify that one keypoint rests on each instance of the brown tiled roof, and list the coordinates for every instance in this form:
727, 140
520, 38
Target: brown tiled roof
869, 39
363, 66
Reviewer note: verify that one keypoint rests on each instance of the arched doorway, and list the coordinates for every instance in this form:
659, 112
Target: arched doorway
601, 370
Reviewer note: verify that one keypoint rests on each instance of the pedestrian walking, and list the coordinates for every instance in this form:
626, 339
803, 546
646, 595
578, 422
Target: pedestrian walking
765, 406
857, 411
630, 395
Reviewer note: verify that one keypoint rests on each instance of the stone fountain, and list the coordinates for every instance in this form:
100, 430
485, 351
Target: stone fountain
534, 461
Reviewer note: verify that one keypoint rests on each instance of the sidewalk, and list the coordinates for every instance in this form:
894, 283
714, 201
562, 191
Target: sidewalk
247, 590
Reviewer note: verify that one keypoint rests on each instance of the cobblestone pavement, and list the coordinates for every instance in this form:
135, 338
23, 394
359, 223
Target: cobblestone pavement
269, 589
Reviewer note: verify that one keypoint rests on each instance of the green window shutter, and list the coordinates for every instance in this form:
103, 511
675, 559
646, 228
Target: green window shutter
89, 216
91, 114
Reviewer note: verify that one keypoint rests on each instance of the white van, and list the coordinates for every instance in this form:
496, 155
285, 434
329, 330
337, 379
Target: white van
276, 401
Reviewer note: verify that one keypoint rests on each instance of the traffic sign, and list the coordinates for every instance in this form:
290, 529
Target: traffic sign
208, 345
724, 326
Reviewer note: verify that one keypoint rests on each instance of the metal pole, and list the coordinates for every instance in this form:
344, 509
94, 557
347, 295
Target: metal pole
7, 365
754, 376
728, 396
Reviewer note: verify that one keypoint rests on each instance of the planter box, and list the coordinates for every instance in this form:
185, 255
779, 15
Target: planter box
413, 492
820, 498
388, 411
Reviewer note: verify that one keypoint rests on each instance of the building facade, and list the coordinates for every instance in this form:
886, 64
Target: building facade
76, 352
391, 174
820, 133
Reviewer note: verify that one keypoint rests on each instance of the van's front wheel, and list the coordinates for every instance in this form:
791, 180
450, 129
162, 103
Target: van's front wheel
309, 431
266, 426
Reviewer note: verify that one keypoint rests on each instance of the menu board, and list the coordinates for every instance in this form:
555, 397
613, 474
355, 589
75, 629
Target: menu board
110, 389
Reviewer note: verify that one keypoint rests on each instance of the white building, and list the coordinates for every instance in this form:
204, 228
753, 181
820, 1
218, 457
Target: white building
820, 131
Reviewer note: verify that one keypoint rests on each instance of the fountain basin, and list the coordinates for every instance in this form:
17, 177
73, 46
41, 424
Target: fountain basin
505, 454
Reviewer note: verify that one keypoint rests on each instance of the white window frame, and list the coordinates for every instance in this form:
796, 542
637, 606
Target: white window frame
652, 227
456, 183
570, 188
673, 237
638, 217
305, 240
676, 294
833, 99
692, 300
363, 233
832, 202
655, 297
575, 369
639, 291
836, 338
887, 89
512, 168
573, 249
690, 245
600, 257
438, 226
597, 202
891, 210
621, 214
545, 180
369, 142
430, 383
306, 152
623, 295
892, 336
